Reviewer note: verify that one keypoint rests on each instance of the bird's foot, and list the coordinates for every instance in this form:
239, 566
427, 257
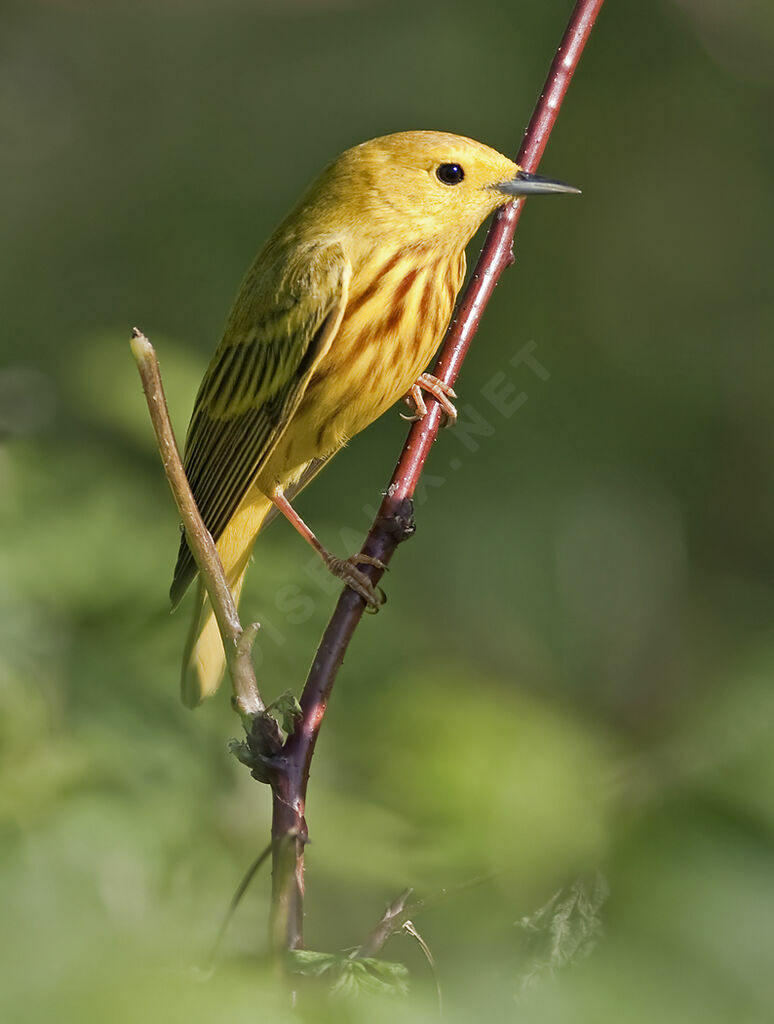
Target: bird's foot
346, 569
440, 391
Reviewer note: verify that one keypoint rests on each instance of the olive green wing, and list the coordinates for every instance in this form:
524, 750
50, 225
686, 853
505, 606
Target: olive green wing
279, 329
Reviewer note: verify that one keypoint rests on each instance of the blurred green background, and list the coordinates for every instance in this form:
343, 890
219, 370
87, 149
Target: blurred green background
569, 691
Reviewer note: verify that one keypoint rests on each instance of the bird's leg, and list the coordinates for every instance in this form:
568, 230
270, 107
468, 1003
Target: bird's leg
344, 569
440, 391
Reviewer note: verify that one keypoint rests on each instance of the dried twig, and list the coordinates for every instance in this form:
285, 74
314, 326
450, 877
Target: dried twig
237, 642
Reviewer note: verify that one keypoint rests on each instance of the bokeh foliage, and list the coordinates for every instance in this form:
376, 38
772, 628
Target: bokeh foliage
572, 678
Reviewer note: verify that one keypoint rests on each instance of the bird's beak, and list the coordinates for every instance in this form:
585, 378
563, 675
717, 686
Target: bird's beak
526, 184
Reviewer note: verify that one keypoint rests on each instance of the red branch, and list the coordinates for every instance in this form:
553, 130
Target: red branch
394, 521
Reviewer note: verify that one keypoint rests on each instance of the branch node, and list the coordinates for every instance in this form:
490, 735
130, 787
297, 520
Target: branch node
266, 733
399, 522
260, 749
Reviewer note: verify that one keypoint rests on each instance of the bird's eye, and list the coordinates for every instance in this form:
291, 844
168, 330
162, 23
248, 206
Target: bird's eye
450, 174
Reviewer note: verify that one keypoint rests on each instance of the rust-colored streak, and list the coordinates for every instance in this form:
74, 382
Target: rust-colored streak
370, 291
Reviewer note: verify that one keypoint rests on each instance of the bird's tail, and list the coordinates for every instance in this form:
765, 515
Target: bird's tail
204, 660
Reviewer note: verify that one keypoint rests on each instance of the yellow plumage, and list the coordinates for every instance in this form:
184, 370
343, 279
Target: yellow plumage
341, 311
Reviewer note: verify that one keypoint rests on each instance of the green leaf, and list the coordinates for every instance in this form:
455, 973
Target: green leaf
564, 930
286, 711
350, 976
311, 962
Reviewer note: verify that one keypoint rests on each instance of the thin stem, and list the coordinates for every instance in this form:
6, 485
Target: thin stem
394, 521
236, 899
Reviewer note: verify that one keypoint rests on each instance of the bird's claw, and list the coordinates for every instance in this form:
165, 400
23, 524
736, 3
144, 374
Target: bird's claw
440, 391
347, 571
361, 559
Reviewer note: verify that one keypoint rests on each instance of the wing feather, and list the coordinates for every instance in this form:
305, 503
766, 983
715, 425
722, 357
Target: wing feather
256, 380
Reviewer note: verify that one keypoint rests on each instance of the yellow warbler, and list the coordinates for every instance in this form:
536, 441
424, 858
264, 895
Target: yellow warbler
336, 320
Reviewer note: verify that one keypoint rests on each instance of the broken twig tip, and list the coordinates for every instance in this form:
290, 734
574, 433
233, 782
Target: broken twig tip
141, 347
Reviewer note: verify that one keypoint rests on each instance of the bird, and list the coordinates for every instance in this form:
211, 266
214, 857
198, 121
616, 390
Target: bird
335, 321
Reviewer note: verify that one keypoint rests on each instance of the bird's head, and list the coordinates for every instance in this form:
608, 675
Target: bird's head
428, 184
